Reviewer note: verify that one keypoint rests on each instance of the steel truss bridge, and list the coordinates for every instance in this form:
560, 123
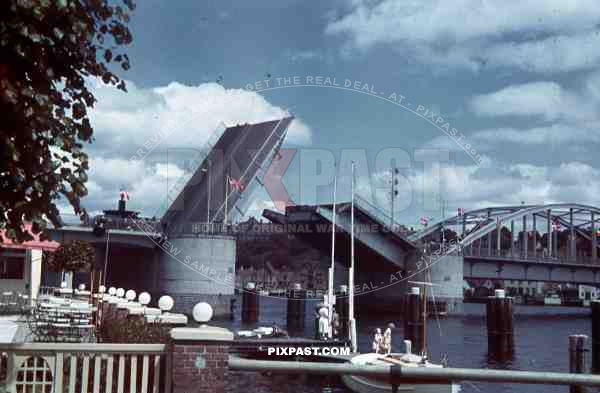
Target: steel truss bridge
489, 234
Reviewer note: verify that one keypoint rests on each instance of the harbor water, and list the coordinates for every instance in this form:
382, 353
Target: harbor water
541, 344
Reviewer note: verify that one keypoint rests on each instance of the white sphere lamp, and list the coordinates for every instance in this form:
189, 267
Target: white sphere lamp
144, 298
166, 303
81, 287
120, 292
202, 312
63, 284
112, 291
250, 286
130, 295
102, 289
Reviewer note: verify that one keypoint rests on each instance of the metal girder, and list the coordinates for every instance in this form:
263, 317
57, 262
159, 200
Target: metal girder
514, 213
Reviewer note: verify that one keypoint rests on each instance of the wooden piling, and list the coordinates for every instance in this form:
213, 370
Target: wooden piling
595, 306
296, 309
499, 315
250, 304
577, 349
413, 319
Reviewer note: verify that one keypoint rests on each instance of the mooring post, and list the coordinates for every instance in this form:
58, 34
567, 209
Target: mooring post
499, 315
296, 309
250, 304
577, 344
595, 306
413, 321
341, 308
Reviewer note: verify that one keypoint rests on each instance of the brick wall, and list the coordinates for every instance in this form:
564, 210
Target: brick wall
200, 367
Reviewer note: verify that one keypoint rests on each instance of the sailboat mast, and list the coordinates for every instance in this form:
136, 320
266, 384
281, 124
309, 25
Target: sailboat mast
332, 268
352, 321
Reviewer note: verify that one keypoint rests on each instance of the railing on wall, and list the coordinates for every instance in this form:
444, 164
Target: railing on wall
94, 368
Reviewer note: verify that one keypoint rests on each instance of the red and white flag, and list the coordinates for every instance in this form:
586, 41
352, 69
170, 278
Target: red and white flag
461, 212
556, 225
124, 195
424, 221
235, 184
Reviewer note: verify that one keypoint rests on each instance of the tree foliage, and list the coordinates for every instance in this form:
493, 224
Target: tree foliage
71, 257
47, 50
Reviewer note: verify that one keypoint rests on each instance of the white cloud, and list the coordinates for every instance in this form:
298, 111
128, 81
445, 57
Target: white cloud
473, 186
547, 100
551, 135
188, 114
469, 32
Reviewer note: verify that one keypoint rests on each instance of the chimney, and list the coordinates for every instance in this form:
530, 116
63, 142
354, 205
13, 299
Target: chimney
122, 205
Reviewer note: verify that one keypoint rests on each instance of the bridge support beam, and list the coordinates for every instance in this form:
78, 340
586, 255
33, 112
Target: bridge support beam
549, 232
512, 237
498, 238
594, 245
524, 237
489, 237
534, 229
572, 242
555, 243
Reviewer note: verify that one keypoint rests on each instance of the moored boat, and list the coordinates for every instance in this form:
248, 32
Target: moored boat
362, 384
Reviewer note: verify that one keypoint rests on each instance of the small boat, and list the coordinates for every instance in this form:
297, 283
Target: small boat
263, 331
361, 384
552, 299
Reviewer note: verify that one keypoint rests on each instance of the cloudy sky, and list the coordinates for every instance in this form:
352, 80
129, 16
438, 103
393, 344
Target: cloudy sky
518, 81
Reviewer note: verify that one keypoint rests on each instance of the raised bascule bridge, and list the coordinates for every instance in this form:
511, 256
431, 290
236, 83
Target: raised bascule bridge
554, 243
384, 258
188, 251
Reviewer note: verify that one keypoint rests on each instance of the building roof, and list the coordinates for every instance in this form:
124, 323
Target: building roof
35, 244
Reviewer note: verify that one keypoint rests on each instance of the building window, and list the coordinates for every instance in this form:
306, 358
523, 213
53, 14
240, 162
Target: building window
12, 268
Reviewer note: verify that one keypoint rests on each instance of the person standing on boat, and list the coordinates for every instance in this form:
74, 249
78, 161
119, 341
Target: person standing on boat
335, 325
323, 324
387, 339
377, 340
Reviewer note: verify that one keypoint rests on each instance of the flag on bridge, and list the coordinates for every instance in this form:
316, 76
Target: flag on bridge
556, 225
461, 212
235, 184
424, 221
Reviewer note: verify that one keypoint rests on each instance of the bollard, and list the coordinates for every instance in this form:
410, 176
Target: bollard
296, 309
577, 344
413, 319
250, 304
595, 305
341, 308
499, 315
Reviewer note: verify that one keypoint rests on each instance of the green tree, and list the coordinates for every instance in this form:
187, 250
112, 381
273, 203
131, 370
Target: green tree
47, 50
75, 256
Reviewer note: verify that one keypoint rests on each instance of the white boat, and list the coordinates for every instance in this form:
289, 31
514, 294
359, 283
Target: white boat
552, 300
361, 384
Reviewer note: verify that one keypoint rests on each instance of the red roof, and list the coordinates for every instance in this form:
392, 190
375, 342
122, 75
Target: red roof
35, 244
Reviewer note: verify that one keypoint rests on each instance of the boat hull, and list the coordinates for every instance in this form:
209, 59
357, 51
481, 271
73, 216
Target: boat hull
370, 385
362, 384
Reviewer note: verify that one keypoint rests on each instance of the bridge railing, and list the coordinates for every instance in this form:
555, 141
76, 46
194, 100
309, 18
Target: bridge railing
518, 254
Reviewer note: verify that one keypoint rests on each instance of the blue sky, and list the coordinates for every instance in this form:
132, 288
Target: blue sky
519, 80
